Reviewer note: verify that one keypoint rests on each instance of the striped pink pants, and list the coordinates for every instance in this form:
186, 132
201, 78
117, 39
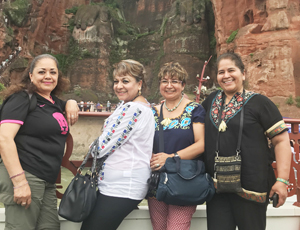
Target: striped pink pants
170, 217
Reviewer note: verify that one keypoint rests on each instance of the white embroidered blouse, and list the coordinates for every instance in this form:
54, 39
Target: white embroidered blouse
128, 139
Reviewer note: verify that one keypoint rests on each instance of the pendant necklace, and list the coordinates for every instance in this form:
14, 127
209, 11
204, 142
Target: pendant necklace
171, 110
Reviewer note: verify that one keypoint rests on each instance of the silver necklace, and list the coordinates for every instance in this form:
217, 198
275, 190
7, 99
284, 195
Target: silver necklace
171, 110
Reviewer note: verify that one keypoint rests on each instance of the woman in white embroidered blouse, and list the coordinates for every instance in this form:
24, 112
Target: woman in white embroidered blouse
127, 140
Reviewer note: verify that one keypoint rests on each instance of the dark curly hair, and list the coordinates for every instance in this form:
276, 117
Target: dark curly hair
62, 83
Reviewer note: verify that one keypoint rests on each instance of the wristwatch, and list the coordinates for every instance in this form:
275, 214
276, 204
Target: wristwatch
176, 155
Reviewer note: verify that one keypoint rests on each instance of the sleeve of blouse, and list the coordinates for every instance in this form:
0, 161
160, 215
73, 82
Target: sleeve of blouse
198, 115
270, 117
119, 130
15, 109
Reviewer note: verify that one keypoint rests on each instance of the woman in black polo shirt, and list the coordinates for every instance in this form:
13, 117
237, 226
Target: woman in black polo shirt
32, 145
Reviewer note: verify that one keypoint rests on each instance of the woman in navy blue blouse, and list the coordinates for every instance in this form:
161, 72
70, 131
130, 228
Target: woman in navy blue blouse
183, 126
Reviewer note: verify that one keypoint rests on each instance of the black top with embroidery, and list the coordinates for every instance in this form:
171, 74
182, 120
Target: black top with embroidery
260, 114
41, 139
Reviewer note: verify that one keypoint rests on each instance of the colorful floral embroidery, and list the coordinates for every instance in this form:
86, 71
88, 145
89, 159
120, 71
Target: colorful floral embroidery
253, 196
112, 129
183, 121
231, 109
249, 195
122, 138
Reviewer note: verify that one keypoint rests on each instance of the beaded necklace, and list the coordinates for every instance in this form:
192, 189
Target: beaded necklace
171, 110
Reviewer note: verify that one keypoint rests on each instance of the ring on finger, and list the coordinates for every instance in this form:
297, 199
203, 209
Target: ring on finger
157, 165
72, 116
23, 203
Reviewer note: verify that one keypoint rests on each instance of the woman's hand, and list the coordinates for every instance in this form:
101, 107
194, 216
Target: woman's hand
281, 190
158, 160
71, 110
22, 194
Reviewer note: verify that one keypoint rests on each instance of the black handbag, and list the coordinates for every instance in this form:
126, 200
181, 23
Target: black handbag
183, 182
80, 197
227, 175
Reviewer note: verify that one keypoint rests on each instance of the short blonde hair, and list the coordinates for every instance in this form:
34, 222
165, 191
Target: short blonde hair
132, 68
174, 70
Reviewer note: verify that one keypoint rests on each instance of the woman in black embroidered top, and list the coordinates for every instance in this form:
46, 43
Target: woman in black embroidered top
247, 209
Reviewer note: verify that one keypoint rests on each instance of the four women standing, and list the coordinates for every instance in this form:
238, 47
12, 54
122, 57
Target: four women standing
127, 142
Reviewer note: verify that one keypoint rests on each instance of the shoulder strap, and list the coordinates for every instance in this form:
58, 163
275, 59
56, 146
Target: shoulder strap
33, 102
161, 143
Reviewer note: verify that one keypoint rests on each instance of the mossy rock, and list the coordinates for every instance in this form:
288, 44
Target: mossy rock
20, 64
17, 11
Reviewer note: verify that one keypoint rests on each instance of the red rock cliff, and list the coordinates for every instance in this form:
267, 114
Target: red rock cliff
268, 41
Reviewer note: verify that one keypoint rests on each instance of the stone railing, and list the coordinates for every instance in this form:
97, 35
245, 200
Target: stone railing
293, 188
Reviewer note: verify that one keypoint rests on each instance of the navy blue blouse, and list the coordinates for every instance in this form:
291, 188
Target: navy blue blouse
178, 134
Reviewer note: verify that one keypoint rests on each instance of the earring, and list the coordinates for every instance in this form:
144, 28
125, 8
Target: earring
140, 92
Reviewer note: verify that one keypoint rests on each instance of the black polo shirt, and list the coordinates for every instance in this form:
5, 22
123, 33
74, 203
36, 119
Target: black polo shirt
41, 139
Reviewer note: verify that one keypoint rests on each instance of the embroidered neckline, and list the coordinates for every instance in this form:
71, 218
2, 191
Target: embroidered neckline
179, 116
231, 109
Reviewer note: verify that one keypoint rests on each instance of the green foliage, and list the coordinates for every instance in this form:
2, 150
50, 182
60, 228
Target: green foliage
289, 100
177, 7
212, 42
144, 34
77, 92
72, 10
75, 53
297, 99
9, 35
210, 18
71, 25
232, 36
10, 31
2, 87
113, 4
163, 26
17, 11
62, 61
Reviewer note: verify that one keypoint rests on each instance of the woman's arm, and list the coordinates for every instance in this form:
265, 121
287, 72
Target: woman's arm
188, 153
71, 110
194, 150
283, 161
9, 155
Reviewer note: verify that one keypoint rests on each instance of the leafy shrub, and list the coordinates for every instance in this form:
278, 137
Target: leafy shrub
289, 100
232, 36
72, 10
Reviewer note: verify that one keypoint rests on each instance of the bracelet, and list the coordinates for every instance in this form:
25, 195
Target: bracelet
20, 185
283, 180
17, 175
176, 155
